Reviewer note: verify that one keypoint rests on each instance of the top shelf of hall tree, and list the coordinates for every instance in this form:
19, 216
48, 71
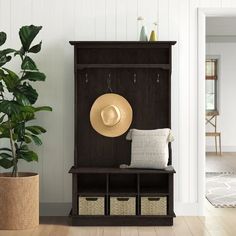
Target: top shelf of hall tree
122, 54
122, 44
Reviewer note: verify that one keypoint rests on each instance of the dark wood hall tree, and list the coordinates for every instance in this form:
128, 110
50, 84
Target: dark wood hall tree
141, 72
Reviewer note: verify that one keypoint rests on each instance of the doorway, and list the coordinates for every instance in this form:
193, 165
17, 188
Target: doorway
209, 96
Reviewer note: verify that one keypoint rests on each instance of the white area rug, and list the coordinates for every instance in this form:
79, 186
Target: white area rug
221, 189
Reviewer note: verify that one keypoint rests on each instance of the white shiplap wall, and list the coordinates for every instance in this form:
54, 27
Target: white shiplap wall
65, 20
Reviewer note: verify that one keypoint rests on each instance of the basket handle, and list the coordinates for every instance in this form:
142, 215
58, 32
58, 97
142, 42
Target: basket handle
91, 198
123, 199
153, 199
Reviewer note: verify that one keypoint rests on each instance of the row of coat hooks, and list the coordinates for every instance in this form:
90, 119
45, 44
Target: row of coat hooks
109, 79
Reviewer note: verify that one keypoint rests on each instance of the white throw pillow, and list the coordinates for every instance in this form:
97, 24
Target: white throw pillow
149, 148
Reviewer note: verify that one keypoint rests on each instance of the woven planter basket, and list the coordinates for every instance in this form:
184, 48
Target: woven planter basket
153, 206
122, 206
19, 201
91, 205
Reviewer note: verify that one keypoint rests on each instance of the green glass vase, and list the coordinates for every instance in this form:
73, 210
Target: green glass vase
143, 35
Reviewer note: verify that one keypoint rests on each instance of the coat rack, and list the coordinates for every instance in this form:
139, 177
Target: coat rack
109, 89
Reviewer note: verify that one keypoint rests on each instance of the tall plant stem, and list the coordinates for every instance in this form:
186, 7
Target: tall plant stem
15, 169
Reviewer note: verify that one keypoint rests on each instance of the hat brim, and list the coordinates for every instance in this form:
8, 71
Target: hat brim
125, 111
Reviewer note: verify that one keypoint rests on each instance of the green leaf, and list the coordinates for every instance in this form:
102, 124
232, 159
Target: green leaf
1, 119
26, 95
24, 147
19, 130
27, 139
28, 156
35, 129
5, 155
4, 135
22, 99
5, 163
5, 124
34, 76
4, 127
6, 51
28, 64
23, 116
11, 73
35, 138
27, 109
3, 38
10, 82
43, 108
4, 130
11, 79
1, 87
27, 35
2, 73
5, 149
36, 48
10, 107
4, 59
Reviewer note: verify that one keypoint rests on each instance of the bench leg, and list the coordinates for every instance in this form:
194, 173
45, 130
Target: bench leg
216, 144
220, 144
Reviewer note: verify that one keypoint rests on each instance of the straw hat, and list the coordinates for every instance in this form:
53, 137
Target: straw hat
111, 115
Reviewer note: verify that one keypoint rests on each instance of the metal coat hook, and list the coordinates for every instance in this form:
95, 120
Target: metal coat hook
135, 78
86, 78
158, 78
109, 89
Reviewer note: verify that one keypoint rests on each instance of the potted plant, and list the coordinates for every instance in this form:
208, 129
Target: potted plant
19, 192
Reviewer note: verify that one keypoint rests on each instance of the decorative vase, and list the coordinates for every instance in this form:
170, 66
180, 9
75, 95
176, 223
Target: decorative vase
153, 36
19, 201
143, 35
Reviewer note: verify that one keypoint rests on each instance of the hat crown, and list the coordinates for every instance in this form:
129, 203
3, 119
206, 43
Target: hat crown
110, 115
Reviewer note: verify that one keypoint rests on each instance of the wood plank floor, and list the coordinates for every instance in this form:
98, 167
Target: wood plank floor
217, 222
224, 163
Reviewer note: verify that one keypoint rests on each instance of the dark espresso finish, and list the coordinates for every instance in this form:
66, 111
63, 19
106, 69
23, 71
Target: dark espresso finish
122, 221
141, 72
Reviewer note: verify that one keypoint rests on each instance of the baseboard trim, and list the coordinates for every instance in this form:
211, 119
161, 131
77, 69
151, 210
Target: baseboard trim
55, 209
188, 209
63, 209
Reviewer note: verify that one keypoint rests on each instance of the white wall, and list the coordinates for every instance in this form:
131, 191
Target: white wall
227, 95
65, 20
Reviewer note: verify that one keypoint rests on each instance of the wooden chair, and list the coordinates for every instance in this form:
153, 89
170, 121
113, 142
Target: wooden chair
211, 118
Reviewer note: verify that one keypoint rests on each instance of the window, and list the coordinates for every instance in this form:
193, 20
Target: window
211, 84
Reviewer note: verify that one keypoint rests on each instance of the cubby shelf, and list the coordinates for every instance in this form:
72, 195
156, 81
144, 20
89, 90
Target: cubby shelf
143, 184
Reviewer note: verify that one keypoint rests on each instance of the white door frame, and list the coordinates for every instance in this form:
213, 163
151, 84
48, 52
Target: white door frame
202, 14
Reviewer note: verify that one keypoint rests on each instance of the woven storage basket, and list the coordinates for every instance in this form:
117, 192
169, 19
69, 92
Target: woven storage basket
122, 206
153, 206
91, 206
